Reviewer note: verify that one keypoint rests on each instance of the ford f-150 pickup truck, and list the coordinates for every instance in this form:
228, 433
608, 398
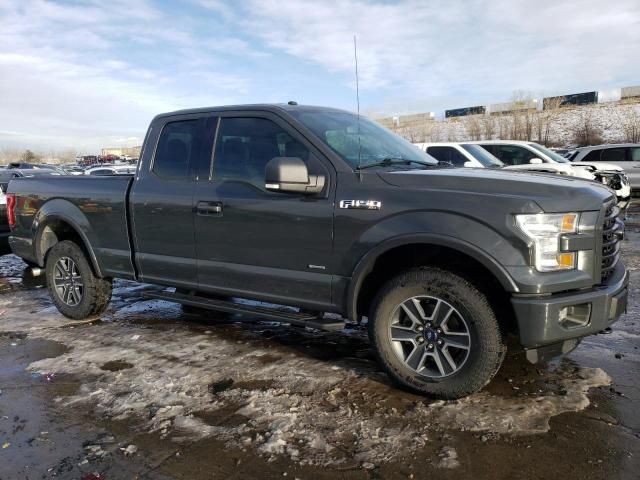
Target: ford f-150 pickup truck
319, 211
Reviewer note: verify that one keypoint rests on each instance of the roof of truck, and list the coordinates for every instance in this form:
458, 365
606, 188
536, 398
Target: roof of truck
269, 107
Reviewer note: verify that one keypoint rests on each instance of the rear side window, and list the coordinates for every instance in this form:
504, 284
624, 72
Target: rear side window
592, 156
634, 154
447, 154
179, 142
613, 155
245, 145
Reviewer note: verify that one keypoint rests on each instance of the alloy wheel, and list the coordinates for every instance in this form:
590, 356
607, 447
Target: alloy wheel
430, 336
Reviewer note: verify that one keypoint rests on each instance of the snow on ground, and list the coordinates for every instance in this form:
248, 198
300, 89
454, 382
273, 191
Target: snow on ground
140, 364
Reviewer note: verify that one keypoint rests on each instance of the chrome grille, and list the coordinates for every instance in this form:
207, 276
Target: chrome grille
612, 231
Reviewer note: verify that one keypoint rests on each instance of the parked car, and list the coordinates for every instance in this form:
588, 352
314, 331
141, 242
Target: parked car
623, 155
521, 155
111, 170
321, 210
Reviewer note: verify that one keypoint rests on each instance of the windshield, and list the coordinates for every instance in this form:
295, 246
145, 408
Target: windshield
549, 153
373, 144
485, 158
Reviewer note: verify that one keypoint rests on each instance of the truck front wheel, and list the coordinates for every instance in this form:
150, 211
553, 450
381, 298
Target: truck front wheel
436, 333
76, 292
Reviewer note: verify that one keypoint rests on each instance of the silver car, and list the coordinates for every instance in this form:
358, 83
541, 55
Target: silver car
624, 155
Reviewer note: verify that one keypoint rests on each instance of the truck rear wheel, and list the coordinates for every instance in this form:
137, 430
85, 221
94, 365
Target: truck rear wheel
75, 290
436, 333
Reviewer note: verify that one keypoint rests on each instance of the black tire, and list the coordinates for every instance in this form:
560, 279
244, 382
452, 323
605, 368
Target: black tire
436, 286
94, 293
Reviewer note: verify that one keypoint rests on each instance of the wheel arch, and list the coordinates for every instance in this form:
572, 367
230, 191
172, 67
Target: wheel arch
410, 251
54, 228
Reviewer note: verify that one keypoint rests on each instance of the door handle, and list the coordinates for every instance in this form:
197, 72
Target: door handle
209, 208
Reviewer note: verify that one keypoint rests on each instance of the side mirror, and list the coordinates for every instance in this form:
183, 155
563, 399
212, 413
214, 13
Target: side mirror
290, 174
469, 164
535, 161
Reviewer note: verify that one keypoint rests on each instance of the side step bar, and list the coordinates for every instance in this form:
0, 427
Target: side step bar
285, 316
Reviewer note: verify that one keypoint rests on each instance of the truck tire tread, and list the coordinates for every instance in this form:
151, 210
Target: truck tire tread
97, 291
485, 358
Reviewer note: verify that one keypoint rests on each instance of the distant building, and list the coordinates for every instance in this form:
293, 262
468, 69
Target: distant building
572, 99
406, 120
515, 106
463, 112
133, 152
628, 93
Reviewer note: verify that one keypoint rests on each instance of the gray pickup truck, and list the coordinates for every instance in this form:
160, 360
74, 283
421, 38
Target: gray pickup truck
319, 211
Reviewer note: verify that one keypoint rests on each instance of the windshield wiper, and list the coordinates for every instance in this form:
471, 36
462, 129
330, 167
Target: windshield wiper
388, 161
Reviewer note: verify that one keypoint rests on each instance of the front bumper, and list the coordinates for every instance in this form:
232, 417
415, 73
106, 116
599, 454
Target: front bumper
542, 320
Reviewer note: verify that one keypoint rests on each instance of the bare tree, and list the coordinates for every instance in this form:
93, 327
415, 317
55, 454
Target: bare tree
473, 127
546, 118
630, 123
523, 113
28, 156
488, 127
586, 131
504, 127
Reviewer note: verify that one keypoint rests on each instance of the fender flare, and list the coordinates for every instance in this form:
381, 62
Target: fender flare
42, 223
366, 263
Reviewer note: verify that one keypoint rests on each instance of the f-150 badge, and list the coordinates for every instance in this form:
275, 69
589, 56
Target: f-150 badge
361, 204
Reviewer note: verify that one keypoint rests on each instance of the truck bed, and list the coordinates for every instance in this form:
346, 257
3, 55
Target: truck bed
95, 206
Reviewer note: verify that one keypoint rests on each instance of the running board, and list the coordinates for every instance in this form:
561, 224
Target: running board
285, 316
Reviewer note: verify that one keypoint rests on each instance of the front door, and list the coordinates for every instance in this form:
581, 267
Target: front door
255, 243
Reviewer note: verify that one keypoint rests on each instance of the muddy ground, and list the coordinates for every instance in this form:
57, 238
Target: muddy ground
150, 392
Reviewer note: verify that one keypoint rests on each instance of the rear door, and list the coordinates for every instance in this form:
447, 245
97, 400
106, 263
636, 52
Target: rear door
162, 202
255, 243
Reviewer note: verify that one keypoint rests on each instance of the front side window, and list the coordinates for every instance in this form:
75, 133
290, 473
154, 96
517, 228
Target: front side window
634, 154
483, 156
179, 142
244, 146
448, 155
613, 155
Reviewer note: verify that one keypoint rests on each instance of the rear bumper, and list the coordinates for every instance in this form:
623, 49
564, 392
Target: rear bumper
22, 247
4, 243
544, 321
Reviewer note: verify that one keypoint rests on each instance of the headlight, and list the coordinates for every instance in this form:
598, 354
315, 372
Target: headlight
544, 230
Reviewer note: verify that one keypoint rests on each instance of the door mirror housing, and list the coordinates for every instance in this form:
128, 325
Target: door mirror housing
290, 175
536, 161
469, 164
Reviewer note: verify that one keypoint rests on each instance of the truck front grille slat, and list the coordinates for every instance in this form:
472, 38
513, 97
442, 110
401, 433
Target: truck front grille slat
610, 240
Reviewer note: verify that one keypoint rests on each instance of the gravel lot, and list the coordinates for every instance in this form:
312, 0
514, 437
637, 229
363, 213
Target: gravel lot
148, 391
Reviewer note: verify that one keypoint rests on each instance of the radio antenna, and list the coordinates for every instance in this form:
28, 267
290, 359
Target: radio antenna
355, 56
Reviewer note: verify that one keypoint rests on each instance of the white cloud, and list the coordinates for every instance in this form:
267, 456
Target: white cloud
459, 50
70, 77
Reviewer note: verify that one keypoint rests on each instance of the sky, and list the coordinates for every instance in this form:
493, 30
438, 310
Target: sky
87, 74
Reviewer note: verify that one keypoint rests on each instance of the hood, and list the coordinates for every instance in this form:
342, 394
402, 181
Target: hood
600, 167
553, 193
560, 168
